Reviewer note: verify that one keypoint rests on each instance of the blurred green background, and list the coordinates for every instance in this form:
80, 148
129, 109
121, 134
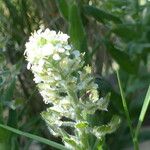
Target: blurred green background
111, 32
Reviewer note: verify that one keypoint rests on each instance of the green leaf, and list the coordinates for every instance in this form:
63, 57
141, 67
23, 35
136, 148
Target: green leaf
2, 59
4, 135
143, 112
145, 105
72, 142
4, 139
10, 90
114, 123
122, 58
100, 15
103, 102
126, 111
12, 119
123, 31
76, 29
63, 8
34, 137
101, 131
81, 125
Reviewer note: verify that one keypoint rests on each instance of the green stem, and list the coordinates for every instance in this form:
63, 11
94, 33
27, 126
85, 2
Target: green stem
84, 139
135, 142
74, 100
83, 136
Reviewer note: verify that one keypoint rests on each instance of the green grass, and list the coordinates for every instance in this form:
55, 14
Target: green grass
134, 134
34, 137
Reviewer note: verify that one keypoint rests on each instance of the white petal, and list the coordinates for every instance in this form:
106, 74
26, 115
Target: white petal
28, 65
56, 57
37, 79
47, 49
61, 50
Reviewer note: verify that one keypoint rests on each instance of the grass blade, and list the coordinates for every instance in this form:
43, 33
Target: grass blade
63, 8
77, 31
35, 137
76, 28
128, 65
135, 142
100, 15
143, 112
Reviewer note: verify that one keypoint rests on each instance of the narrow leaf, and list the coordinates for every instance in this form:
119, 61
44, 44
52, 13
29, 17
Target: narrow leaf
127, 112
143, 112
76, 29
63, 8
122, 58
99, 14
101, 131
34, 137
10, 91
123, 31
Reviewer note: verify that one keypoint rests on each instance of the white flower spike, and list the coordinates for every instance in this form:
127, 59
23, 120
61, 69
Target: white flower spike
67, 84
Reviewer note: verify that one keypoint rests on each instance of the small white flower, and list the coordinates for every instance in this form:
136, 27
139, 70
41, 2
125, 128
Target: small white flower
37, 68
41, 62
81, 86
28, 65
47, 31
57, 108
56, 57
67, 53
61, 50
63, 37
76, 53
57, 78
58, 45
88, 69
67, 47
47, 49
37, 79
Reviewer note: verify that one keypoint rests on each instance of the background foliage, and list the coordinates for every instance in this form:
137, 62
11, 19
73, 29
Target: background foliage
109, 31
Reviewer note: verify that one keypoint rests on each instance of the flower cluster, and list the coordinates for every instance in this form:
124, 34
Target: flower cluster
64, 81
